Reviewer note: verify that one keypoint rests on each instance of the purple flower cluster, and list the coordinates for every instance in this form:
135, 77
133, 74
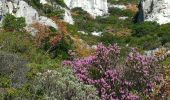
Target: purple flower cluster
102, 69
143, 71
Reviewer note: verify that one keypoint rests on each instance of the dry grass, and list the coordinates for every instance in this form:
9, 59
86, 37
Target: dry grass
132, 7
43, 32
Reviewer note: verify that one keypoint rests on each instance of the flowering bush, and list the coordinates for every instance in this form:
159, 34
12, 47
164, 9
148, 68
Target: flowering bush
132, 79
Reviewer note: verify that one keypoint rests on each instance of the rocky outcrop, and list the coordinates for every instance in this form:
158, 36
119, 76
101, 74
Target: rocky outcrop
93, 7
154, 10
20, 8
43, 1
68, 17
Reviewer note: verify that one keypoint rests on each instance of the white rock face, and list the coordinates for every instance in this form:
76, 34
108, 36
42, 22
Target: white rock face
93, 7
68, 17
2, 7
43, 1
123, 7
123, 18
82, 32
96, 33
154, 10
20, 8
46, 21
30, 14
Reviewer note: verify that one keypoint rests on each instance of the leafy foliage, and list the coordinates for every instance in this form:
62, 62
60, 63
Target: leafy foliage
11, 67
144, 28
61, 84
12, 23
48, 9
109, 69
123, 1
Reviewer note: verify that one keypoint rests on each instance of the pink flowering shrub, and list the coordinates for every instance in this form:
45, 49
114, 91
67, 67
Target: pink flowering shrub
132, 79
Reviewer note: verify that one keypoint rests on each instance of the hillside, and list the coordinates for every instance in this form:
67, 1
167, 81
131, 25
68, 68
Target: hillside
84, 50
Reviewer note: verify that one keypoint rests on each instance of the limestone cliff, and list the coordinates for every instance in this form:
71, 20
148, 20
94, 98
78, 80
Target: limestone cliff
94, 7
20, 8
154, 10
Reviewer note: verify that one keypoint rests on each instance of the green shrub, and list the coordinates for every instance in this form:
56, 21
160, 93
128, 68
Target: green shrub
61, 84
108, 38
12, 71
58, 50
8, 22
48, 9
12, 23
119, 12
164, 33
35, 3
60, 2
147, 42
52, 11
123, 1
144, 28
15, 42
84, 21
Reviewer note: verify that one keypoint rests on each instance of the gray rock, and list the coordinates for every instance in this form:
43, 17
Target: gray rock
154, 10
20, 8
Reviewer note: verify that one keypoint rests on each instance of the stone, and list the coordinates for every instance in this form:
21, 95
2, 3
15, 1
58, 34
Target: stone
93, 7
67, 14
123, 7
43, 1
68, 17
96, 33
20, 8
154, 10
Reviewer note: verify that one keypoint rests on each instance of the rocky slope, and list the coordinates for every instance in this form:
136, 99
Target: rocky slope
154, 10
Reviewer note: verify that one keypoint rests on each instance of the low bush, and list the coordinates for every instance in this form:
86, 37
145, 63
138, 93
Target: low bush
57, 46
119, 12
123, 1
60, 2
12, 23
12, 71
145, 28
138, 77
18, 42
61, 84
164, 33
52, 11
